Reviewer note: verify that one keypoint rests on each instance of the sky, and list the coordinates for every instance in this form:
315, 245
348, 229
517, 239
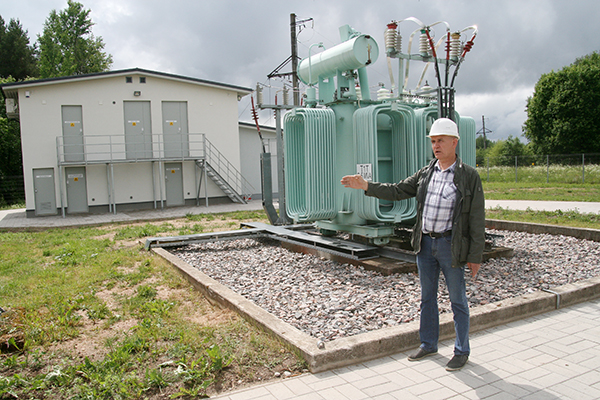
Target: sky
240, 42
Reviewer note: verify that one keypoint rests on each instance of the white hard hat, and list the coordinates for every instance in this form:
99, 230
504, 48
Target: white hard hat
443, 126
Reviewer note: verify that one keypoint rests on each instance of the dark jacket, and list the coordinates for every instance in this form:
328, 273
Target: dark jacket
468, 221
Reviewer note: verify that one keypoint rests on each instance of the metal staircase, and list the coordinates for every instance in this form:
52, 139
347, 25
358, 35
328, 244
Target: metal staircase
216, 167
220, 182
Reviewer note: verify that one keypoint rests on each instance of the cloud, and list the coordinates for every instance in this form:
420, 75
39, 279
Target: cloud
110, 12
240, 42
504, 111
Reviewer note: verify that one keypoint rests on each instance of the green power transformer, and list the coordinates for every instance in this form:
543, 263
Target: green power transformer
342, 131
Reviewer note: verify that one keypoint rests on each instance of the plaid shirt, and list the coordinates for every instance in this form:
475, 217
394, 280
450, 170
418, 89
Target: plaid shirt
439, 202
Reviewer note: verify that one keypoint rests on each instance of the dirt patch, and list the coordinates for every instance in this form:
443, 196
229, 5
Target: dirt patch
91, 342
12, 336
256, 358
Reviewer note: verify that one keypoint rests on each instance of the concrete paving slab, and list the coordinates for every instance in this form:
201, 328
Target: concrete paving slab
549, 379
579, 206
18, 220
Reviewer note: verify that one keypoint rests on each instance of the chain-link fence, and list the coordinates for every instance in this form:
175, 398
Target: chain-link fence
12, 190
558, 168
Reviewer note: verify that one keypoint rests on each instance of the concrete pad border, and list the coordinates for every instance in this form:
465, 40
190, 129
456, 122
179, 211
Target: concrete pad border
529, 227
375, 344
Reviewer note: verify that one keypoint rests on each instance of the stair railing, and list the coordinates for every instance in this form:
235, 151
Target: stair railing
226, 169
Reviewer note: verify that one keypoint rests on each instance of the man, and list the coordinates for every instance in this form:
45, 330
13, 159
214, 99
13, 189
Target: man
449, 232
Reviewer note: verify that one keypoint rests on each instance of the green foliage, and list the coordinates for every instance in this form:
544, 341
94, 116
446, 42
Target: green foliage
11, 167
540, 191
140, 231
563, 115
217, 360
17, 62
17, 55
480, 143
10, 141
68, 46
503, 152
533, 170
256, 215
481, 153
190, 230
561, 218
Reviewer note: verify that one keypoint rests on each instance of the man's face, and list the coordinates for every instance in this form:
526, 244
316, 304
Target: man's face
444, 147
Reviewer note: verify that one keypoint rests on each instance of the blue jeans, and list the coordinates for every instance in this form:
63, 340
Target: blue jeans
435, 255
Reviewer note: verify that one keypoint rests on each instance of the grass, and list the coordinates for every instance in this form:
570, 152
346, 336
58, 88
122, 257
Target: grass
540, 174
561, 218
541, 191
544, 192
91, 314
14, 206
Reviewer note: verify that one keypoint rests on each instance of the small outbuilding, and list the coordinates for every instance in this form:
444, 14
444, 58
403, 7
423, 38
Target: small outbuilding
132, 139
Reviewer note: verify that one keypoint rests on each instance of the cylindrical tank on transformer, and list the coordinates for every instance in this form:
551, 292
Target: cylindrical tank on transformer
352, 54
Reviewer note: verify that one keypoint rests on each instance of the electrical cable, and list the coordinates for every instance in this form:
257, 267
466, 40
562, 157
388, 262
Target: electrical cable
255, 118
467, 47
437, 68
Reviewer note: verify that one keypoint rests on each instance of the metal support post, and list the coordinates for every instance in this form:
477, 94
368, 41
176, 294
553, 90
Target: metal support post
583, 168
266, 182
60, 189
161, 182
547, 168
112, 184
205, 184
154, 183
283, 216
108, 188
197, 183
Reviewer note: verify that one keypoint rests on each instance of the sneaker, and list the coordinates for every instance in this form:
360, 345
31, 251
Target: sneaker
420, 354
457, 362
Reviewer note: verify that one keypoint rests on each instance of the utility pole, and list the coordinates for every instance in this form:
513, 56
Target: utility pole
295, 84
282, 218
484, 132
293, 59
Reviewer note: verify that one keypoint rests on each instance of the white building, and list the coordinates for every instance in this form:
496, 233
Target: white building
251, 148
132, 139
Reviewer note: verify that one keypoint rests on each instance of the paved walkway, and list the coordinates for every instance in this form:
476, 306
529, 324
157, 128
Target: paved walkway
551, 356
579, 206
16, 219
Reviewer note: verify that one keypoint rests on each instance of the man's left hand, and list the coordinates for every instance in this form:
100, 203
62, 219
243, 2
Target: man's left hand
474, 268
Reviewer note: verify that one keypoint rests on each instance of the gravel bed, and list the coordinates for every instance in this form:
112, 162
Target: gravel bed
330, 300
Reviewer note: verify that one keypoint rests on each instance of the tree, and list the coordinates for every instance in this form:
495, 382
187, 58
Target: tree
481, 143
10, 141
10, 154
482, 151
67, 45
17, 55
503, 152
563, 115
